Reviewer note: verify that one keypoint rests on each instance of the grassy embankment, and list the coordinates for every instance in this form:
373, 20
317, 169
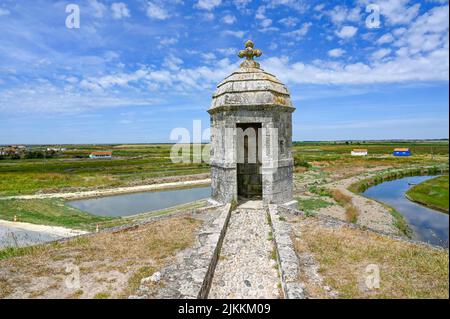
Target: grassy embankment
51, 212
406, 270
432, 193
55, 212
110, 267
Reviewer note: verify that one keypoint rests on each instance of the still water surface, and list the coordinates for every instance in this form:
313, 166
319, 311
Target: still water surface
427, 224
131, 204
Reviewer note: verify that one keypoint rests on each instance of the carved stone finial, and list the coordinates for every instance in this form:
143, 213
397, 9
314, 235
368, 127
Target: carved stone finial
249, 53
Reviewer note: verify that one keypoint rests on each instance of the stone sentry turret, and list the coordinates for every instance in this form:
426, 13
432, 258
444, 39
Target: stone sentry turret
251, 135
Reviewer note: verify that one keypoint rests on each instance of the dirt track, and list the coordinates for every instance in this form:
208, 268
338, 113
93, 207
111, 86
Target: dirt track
113, 191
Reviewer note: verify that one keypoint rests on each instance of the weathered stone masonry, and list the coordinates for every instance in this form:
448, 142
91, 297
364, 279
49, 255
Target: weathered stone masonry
251, 96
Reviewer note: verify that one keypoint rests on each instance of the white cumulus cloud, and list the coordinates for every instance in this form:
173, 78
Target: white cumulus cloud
428, 32
385, 38
340, 14
335, 53
229, 19
289, 21
154, 11
119, 10
347, 31
381, 53
208, 4
301, 32
98, 8
237, 34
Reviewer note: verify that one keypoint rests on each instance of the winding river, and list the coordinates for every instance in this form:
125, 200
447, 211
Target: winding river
427, 224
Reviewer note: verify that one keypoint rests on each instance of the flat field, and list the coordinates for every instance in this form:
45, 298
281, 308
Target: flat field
73, 170
432, 193
139, 164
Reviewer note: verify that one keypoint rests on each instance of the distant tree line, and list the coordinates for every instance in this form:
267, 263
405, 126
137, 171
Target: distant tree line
29, 154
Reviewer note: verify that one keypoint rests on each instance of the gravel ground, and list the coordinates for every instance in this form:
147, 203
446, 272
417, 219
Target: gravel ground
245, 268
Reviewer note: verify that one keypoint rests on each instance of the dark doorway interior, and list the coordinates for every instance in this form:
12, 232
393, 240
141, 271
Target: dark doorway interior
249, 178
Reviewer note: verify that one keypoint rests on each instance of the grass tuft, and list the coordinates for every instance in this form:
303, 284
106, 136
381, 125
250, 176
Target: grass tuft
310, 205
351, 212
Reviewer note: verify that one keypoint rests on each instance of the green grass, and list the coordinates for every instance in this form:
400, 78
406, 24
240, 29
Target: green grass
135, 164
10, 252
321, 191
132, 164
380, 153
310, 205
373, 147
400, 222
135, 280
49, 212
102, 295
432, 193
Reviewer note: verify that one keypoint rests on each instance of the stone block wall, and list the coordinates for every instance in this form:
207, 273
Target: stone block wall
223, 184
277, 184
277, 163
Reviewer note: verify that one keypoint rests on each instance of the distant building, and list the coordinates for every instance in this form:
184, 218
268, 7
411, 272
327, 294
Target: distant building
101, 155
9, 150
403, 151
55, 149
359, 152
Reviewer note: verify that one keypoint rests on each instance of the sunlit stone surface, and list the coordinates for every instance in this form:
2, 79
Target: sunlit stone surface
251, 97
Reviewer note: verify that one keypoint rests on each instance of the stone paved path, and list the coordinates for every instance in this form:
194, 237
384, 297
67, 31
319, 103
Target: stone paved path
245, 268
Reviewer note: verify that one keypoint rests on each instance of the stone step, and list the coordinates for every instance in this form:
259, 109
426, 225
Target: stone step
251, 204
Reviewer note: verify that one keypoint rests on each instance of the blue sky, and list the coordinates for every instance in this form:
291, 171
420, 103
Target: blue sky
135, 70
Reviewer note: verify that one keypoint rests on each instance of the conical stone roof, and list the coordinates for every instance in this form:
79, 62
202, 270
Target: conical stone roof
250, 87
